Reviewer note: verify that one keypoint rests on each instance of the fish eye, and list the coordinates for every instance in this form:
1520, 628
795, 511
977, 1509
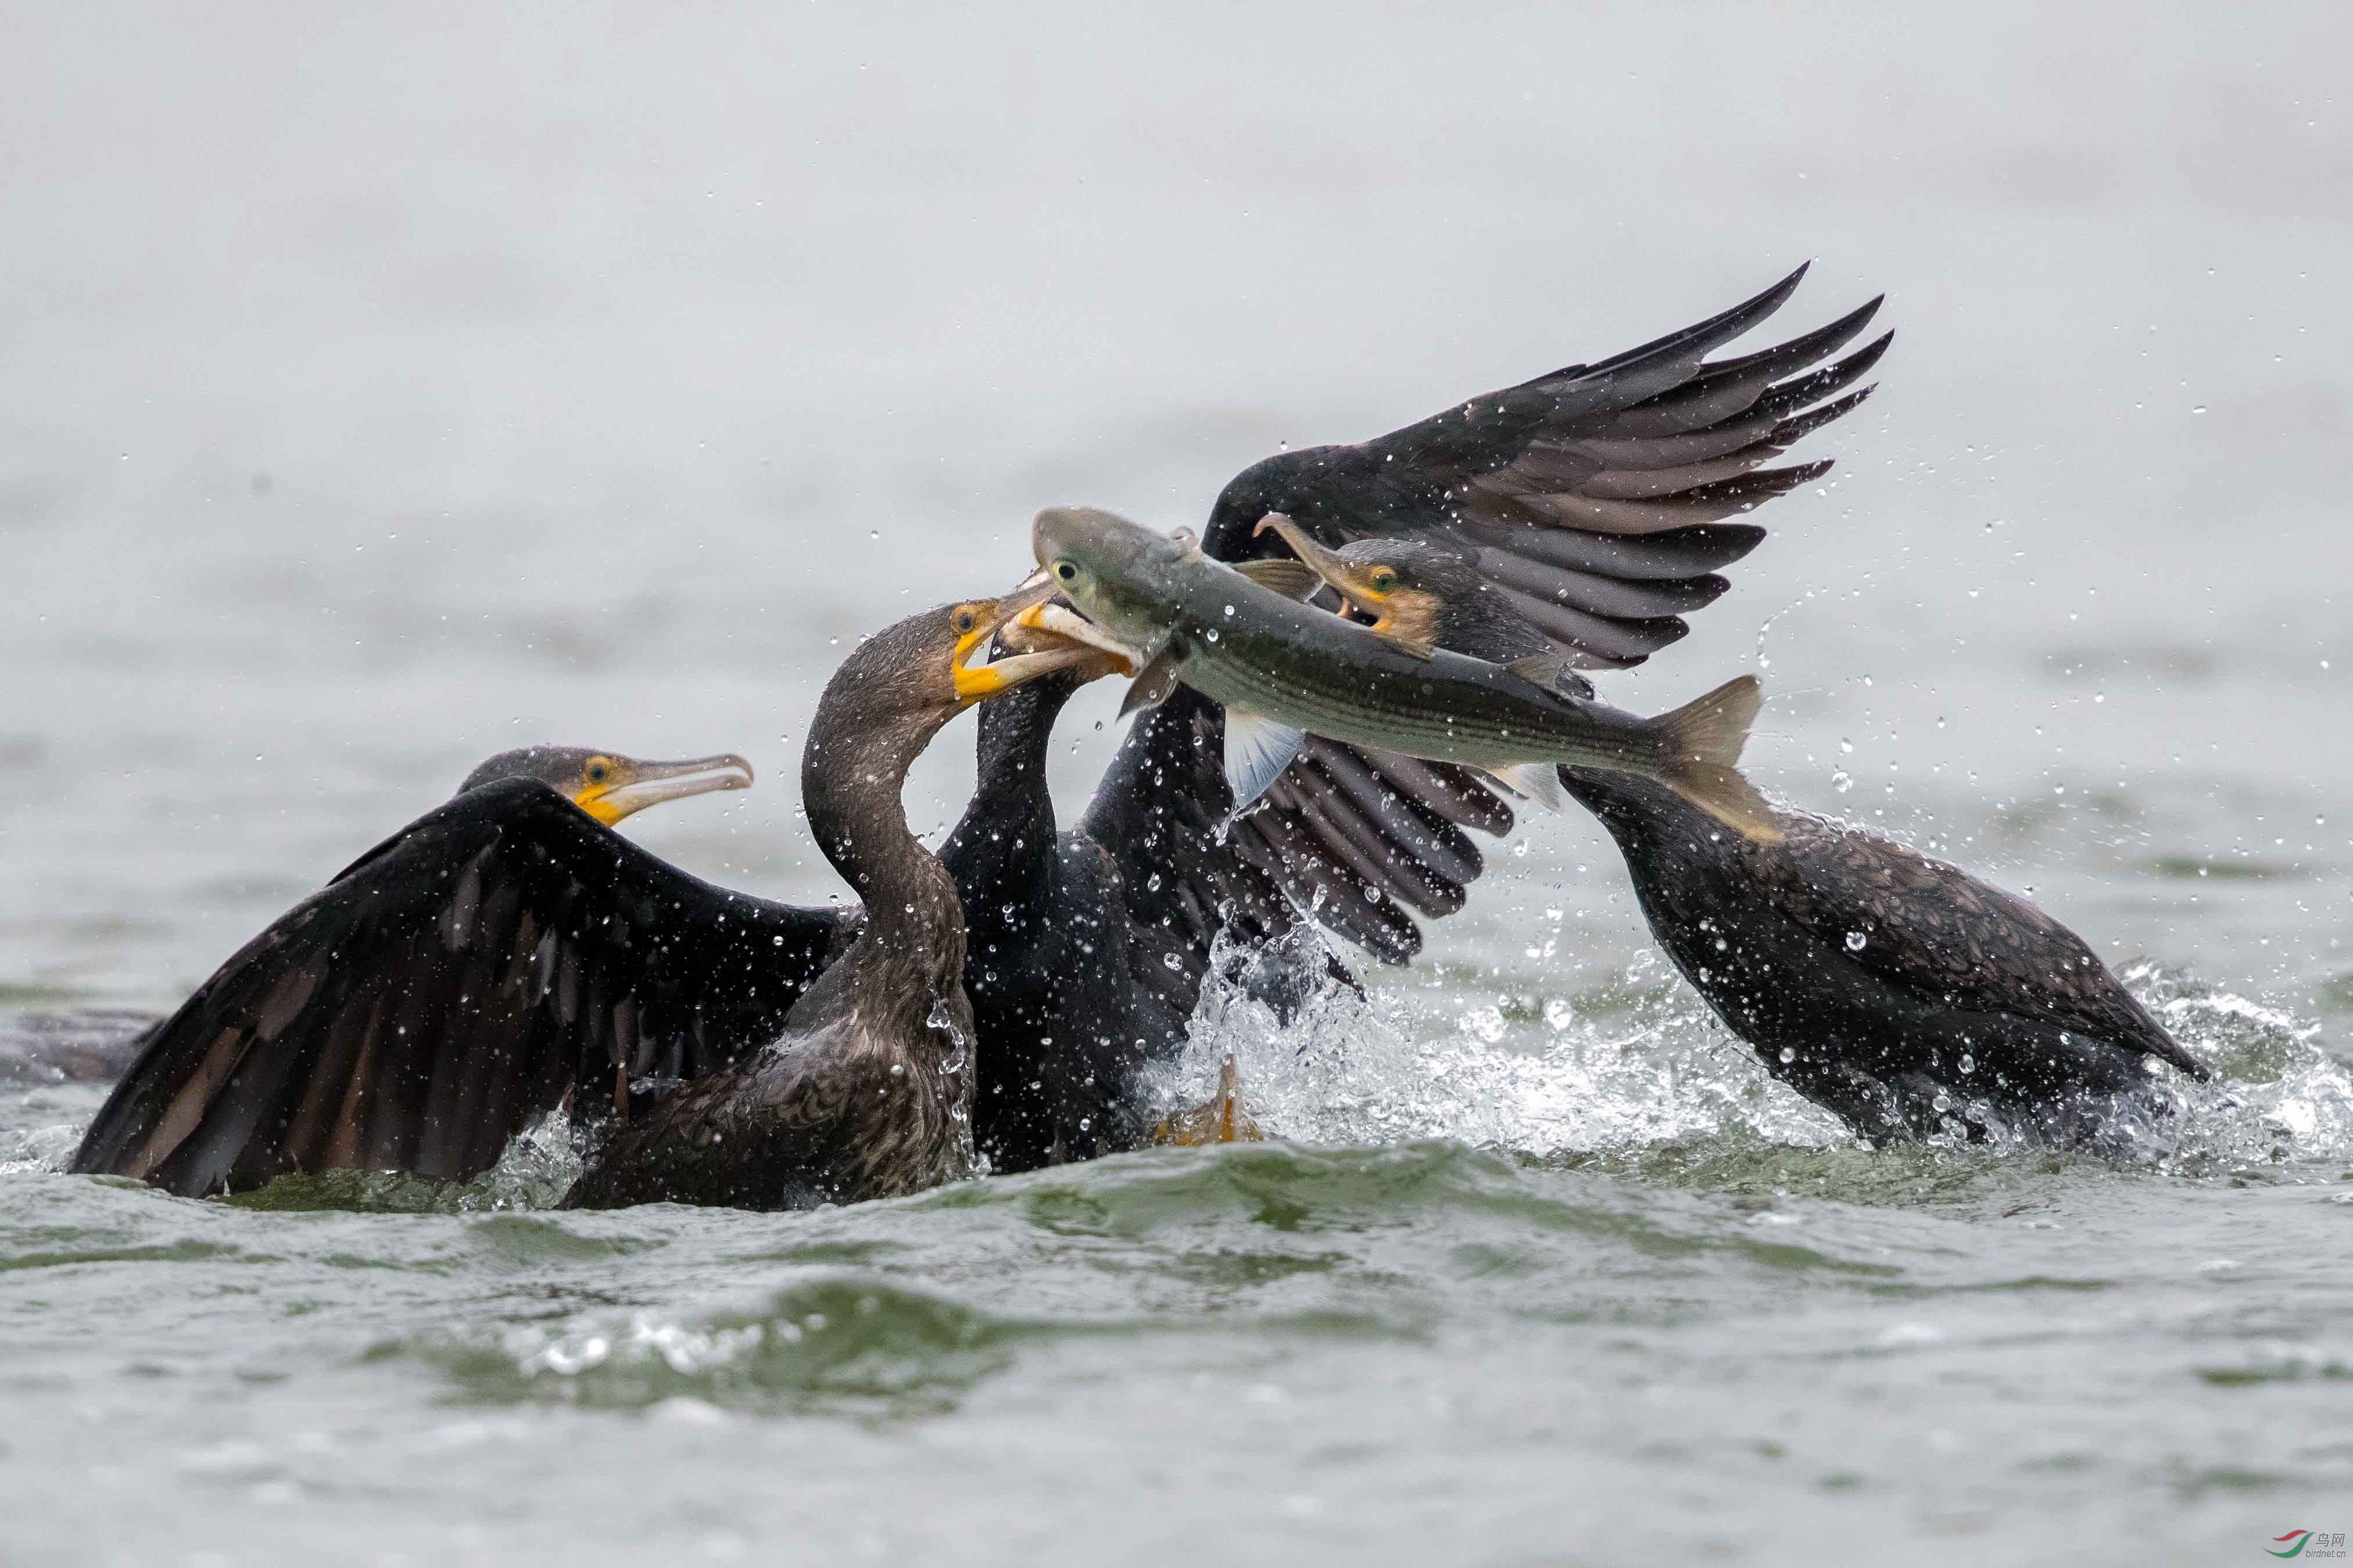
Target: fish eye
965, 619
598, 770
1067, 570
1383, 580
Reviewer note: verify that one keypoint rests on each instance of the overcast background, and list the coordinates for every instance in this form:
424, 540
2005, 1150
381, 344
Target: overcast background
382, 388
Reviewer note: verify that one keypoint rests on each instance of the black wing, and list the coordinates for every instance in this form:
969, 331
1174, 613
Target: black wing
1361, 842
445, 989
1593, 497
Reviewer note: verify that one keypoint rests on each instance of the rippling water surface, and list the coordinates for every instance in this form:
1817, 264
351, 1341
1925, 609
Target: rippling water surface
382, 391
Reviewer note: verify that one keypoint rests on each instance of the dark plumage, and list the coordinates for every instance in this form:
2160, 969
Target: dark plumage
454, 982
1089, 945
1591, 497
503, 955
1896, 991
868, 1091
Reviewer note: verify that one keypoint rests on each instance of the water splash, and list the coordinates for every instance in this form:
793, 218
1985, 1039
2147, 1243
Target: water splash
1365, 1070
1636, 1065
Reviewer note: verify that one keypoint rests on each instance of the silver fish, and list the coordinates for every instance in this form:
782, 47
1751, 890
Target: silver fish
1284, 669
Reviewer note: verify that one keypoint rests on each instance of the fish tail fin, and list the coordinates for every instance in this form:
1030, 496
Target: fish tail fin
1702, 745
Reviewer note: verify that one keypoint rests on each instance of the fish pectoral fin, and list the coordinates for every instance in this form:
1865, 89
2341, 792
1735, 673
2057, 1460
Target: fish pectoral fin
1553, 672
1257, 751
1540, 781
1152, 686
1413, 646
1292, 579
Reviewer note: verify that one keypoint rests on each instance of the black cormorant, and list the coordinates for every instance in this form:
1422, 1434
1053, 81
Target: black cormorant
455, 981
1590, 500
1895, 990
867, 1092
459, 979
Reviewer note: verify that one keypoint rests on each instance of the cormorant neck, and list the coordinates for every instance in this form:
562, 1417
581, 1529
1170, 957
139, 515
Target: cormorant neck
909, 956
1010, 822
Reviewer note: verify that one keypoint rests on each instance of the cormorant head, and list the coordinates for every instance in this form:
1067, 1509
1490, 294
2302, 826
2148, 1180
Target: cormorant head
932, 666
1414, 588
607, 785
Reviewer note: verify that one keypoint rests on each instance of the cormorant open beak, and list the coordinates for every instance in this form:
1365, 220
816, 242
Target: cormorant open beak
975, 682
1055, 618
1353, 583
634, 785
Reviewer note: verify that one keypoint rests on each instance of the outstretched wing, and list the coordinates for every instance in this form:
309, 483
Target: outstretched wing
1360, 842
1931, 927
448, 987
1593, 497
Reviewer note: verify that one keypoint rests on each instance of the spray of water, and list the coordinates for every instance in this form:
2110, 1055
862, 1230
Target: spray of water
1660, 1070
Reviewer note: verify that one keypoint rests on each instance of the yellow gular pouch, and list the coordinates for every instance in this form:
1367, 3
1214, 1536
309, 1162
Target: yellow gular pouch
594, 793
972, 625
1031, 650
610, 786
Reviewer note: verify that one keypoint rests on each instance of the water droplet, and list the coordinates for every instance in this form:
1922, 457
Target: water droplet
1789, 1054
1854, 941
1211, 634
1841, 781
1846, 745
898, 1069
1968, 1063
1229, 609
1172, 962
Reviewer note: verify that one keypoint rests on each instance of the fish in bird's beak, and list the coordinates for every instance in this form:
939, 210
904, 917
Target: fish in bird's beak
1043, 651
1056, 621
1283, 670
612, 788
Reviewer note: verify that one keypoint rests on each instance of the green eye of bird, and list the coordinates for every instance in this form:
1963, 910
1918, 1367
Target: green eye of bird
1383, 580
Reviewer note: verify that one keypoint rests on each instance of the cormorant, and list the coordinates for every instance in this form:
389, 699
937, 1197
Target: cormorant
449, 986
867, 1093
471, 970
1896, 991
1590, 500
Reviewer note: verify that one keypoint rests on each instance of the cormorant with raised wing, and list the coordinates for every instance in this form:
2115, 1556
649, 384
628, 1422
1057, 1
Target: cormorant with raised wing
1590, 500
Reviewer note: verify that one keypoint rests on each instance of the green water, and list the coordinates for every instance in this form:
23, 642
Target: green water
1743, 1339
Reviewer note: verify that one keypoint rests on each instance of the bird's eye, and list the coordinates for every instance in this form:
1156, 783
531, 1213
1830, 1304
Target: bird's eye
1066, 571
599, 769
966, 620
1383, 580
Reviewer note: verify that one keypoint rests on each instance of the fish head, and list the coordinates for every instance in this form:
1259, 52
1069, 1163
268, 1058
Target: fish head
1120, 576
